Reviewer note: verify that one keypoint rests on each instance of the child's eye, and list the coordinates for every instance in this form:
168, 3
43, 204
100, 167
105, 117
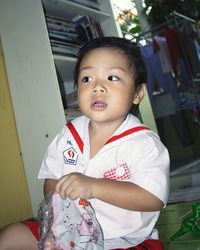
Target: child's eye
87, 79
113, 78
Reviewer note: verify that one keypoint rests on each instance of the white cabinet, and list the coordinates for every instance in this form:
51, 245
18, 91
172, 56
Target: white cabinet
34, 89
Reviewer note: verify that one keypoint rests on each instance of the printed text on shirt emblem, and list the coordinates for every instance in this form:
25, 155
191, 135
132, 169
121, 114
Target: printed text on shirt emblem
70, 156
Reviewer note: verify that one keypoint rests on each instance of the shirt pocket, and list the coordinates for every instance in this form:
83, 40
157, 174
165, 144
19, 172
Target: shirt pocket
121, 172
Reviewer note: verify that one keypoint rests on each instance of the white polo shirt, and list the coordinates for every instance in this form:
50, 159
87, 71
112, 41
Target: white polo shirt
134, 154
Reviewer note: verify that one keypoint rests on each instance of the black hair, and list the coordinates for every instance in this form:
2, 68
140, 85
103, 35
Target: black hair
130, 49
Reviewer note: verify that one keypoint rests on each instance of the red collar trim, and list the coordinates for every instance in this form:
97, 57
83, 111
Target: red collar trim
127, 132
114, 138
75, 135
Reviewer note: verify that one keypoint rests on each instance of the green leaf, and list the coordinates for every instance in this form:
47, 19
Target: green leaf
135, 30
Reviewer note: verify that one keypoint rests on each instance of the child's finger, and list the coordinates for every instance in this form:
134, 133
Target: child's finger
60, 182
65, 190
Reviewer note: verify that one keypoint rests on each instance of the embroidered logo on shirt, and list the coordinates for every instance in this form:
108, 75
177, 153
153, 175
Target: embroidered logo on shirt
121, 172
69, 142
70, 156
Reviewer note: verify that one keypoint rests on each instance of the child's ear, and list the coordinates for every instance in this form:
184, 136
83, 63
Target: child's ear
140, 93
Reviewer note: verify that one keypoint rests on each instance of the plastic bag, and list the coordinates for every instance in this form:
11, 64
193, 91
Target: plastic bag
68, 225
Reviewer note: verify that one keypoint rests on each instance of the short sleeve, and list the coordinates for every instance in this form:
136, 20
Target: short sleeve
150, 165
51, 166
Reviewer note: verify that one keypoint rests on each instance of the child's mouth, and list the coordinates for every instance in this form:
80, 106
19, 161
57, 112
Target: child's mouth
99, 104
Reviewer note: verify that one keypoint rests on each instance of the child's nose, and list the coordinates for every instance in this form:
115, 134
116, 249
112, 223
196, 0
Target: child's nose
99, 88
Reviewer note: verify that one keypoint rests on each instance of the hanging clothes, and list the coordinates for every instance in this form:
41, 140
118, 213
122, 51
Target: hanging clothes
168, 70
156, 78
171, 54
164, 104
160, 46
188, 36
175, 53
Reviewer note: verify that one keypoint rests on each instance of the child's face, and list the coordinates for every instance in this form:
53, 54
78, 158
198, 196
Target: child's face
106, 86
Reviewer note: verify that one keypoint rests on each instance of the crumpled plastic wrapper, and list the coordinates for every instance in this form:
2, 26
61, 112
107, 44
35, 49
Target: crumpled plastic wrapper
68, 225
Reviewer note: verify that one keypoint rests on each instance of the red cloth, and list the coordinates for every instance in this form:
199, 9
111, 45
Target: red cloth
147, 244
34, 227
156, 46
173, 43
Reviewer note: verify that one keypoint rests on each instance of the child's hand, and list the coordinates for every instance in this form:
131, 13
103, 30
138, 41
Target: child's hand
75, 185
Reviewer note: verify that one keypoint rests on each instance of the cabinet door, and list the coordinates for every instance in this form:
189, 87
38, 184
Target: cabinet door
15, 203
33, 84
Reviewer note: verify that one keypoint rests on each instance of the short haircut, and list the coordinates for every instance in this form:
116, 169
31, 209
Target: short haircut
130, 50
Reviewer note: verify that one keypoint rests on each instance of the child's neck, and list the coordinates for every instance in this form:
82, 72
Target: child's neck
99, 135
